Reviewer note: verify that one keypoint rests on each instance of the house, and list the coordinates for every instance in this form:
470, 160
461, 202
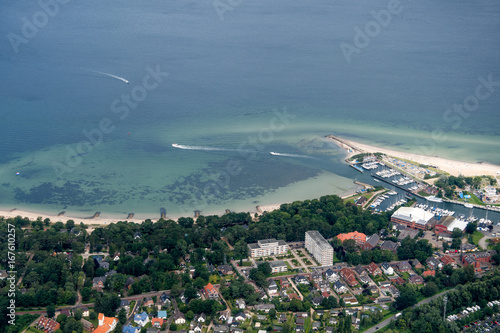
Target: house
85, 312
387, 269
331, 276
162, 314
394, 291
179, 318
284, 283
201, 318
198, 328
447, 260
416, 279
467, 247
292, 296
104, 264
157, 322
222, 317
273, 287
240, 317
300, 279
364, 279
221, 329
404, 266
397, 280
301, 314
148, 301
225, 269
373, 269
211, 292
348, 276
106, 324
261, 317
130, 329
316, 301
110, 273
429, 273
316, 325
116, 256
137, 235
141, 319
433, 263
125, 304
359, 270
282, 318
359, 237
371, 242
278, 266
98, 283
48, 325
87, 325
264, 307
339, 287
300, 321
416, 264
323, 286
389, 246
240, 303
360, 201
165, 299
316, 277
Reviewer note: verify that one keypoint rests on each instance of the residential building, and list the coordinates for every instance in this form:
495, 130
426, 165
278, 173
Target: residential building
267, 247
416, 279
225, 269
416, 264
98, 283
348, 276
278, 266
131, 329
300, 279
433, 263
87, 325
387, 269
371, 242
48, 325
165, 299
389, 246
331, 276
359, 270
141, 319
359, 237
240, 303
447, 260
273, 287
264, 307
364, 279
404, 266
179, 318
211, 292
321, 250
284, 283
106, 324
373, 269
445, 225
412, 217
429, 273
157, 322
148, 301
162, 314
339, 287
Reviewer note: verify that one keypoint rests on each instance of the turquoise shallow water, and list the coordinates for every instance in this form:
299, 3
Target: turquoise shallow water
228, 85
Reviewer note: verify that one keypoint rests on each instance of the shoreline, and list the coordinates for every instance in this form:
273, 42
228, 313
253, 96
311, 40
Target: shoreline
453, 167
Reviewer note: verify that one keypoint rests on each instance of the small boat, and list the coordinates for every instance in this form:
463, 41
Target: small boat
434, 199
468, 205
392, 192
273, 153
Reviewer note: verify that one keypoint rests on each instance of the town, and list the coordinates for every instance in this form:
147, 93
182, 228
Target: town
289, 270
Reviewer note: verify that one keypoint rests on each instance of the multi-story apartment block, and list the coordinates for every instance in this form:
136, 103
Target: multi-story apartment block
267, 247
321, 250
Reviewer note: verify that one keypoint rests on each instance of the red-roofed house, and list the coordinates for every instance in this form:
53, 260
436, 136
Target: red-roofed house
359, 237
374, 269
106, 324
429, 273
48, 325
157, 322
210, 291
348, 276
447, 260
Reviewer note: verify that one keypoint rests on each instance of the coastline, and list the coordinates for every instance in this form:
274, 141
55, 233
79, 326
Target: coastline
453, 167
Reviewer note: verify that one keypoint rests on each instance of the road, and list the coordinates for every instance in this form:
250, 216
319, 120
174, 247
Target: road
388, 320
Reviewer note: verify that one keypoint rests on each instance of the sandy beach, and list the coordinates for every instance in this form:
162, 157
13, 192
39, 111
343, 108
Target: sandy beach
452, 167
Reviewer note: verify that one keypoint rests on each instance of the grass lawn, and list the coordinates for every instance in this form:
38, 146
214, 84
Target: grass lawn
246, 263
476, 236
214, 278
475, 200
34, 330
335, 259
405, 275
424, 194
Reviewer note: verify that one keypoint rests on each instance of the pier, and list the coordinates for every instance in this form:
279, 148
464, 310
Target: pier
163, 213
130, 216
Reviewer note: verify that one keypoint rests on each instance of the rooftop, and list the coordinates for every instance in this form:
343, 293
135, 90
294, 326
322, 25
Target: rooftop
318, 239
410, 214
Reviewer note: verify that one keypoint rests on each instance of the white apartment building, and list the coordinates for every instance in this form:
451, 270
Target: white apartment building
267, 247
321, 250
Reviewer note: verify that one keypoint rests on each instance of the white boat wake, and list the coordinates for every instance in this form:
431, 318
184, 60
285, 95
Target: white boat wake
113, 76
289, 155
204, 148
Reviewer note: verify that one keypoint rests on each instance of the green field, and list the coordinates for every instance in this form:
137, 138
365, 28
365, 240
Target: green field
476, 236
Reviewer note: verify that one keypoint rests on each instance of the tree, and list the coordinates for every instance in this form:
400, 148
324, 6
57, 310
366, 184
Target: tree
265, 268
471, 227
173, 327
456, 233
407, 297
429, 289
272, 313
51, 311
189, 315
93, 315
349, 245
122, 316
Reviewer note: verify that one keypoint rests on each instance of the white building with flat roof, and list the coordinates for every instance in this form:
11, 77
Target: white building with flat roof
415, 218
321, 250
267, 247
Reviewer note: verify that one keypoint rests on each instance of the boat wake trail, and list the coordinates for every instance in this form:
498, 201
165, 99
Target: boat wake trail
204, 148
113, 76
290, 155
